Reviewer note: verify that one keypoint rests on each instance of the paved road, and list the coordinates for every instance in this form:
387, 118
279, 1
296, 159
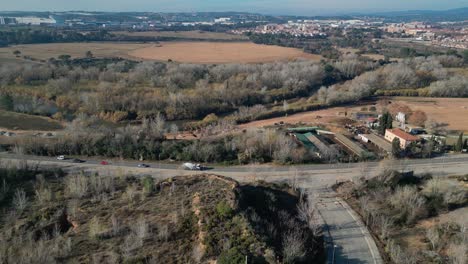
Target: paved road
353, 243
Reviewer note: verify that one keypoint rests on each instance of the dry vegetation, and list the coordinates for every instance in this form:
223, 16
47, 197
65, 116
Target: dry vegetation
75, 50
417, 219
193, 52
201, 35
17, 121
451, 111
219, 52
49, 217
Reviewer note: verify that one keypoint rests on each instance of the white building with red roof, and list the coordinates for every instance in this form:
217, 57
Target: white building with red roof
405, 138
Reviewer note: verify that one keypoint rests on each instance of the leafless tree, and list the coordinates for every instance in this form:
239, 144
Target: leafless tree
307, 212
293, 247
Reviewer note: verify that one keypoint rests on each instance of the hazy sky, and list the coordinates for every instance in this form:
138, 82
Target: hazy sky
300, 7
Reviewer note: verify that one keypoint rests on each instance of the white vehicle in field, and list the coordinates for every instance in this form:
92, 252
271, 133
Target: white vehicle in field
192, 166
61, 157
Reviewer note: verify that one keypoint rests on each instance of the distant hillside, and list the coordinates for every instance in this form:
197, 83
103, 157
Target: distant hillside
459, 14
101, 219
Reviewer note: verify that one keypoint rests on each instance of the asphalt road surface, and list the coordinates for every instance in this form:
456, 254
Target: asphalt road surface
349, 240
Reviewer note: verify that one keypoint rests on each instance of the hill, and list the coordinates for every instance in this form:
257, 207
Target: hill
459, 14
50, 217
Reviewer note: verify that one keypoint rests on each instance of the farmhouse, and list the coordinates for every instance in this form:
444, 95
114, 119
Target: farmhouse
405, 138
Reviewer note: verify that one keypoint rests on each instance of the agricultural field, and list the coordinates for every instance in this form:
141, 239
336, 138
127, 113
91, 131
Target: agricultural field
75, 50
450, 111
186, 51
201, 35
219, 52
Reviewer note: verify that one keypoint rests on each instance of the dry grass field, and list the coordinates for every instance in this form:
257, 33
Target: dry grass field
185, 51
184, 35
451, 111
76, 50
219, 52
17, 121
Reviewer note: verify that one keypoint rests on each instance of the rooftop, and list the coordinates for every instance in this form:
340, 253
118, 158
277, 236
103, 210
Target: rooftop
402, 134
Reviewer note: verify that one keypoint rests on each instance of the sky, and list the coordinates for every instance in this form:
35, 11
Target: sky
286, 7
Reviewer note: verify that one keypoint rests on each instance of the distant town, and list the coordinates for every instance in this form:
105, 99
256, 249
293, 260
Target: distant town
439, 33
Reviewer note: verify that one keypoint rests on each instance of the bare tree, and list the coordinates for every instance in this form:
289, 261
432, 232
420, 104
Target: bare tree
307, 212
293, 247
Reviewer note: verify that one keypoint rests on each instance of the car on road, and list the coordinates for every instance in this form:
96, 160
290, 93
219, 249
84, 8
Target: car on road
61, 157
77, 161
192, 166
104, 162
142, 165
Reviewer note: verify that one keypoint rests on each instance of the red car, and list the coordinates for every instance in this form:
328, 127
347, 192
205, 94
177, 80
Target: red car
104, 162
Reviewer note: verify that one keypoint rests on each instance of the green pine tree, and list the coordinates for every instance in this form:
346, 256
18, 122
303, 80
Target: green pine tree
396, 148
6, 102
389, 124
459, 145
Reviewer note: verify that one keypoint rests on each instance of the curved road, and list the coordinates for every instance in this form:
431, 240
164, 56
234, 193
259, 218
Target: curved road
350, 241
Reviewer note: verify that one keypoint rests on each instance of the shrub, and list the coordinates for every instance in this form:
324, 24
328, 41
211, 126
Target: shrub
148, 185
77, 186
95, 228
20, 200
223, 209
231, 256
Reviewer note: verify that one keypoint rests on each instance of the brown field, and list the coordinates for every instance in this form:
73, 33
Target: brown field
451, 111
329, 118
76, 50
194, 52
184, 35
219, 52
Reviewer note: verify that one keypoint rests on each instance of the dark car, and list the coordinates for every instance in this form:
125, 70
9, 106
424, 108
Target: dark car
77, 161
142, 165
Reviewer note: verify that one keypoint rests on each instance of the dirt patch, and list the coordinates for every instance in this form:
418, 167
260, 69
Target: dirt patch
331, 118
452, 111
219, 52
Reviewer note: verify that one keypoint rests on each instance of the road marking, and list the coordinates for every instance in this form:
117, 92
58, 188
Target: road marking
363, 233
